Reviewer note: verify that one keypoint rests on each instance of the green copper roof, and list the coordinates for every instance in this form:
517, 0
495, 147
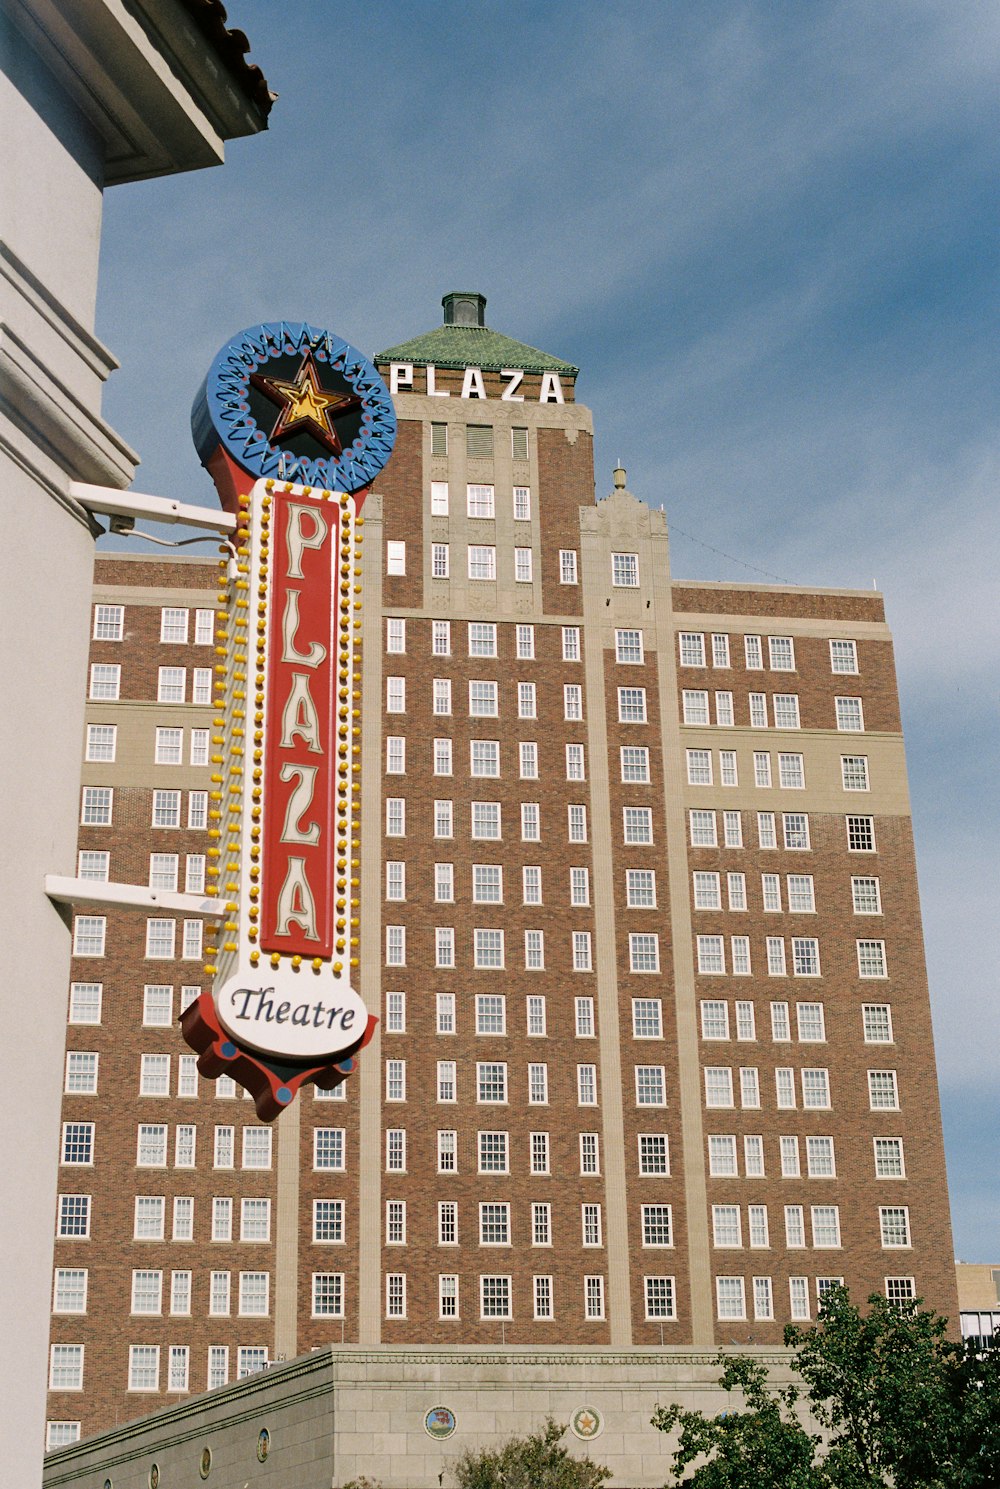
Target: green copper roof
474, 346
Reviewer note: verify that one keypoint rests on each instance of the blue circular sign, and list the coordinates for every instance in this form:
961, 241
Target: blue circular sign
288, 401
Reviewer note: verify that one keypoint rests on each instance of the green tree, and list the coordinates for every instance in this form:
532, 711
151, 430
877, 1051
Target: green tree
536, 1462
900, 1405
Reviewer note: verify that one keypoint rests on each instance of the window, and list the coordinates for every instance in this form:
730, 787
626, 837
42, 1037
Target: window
780, 1027
395, 880
439, 439
445, 1009
877, 1022
811, 1026
328, 1295
761, 768
93, 865
535, 1011
650, 1085
871, 959
73, 1216
527, 707
567, 566
395, 755
757, 1225
590, 1219
81, 1073
775, 956
395, 1150
88, 935
494, 1224
781, 653
169, 748
171, 684
101, 742
491, 1013
395, 1080
703, 830
85, 1002
482, 639
395, 945
659, 1293
328, 1148
491, 1082
154, 1075
479, 441
482, 562
147, 1292
483, 699
894, 1225
441, 638
654, 1156
109, 622
730, 1297
798, 1293
711, 955
728, 769
850, 715
889, 1158
632, 705
144, 1367
805, 956
191, 941
395, 1222
105, 681
593, 1297
758, 710
446, 1080
795, 827
395, 1013
395, 635
714, 1019
771, 891
447, 1223
883, 1094
586, 1085
577, 822
222, 1219
718, 1085
795, 1226
815, 1088
443, 819
572, 701
695, 706
69, 1292
638, 824
197, 809
635, 763
77, 1143
699, 767
439, 498
854, 770
692, 649
861, 834
395, 817
488, 948
647, 1018
447, 1149
201, 685
218, 1365
820, 1160
522, 565
791, 772
732, 826
525, 642
625, 570
866, 898
843, 656
522, 494
528, 759
444, 946
784, 1086
900, 1290
753, 654
493, 1153
582, 960
149, 1218
539, 1152
640, 889
61, 1434
726, 1227
484, 757
644, 952
395, 557
166, 809
444, 882
628, 647
395, 1295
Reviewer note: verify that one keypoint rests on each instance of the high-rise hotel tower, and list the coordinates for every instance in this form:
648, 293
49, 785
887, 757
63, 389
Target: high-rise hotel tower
639, 918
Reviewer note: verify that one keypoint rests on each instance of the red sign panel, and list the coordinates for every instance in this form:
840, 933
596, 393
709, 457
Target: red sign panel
300, 754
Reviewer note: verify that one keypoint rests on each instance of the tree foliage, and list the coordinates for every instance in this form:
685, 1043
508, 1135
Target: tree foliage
898, 1402
538, 1461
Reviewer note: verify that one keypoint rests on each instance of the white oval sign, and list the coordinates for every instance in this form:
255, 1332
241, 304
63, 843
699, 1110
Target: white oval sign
291, 1015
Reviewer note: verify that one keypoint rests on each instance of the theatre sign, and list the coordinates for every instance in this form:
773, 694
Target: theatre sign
293, 424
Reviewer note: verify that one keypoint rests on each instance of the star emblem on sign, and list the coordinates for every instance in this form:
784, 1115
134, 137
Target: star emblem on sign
306, 407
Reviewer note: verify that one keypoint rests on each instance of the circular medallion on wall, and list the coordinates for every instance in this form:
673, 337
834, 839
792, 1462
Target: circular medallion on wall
205, 1463
263, 1444
440, 1422
154, 1476
296, 403
586, 1423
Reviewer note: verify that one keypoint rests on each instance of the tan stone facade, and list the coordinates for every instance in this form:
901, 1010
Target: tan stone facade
640, 922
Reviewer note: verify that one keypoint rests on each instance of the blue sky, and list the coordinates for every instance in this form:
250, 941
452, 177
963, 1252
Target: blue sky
767, 233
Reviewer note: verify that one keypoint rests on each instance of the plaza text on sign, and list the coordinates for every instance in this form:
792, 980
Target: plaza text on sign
300, 755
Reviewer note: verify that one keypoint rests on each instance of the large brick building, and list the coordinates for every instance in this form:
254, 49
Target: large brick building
639, 918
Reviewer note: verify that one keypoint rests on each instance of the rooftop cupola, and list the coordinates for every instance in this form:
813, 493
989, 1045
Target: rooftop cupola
464, 308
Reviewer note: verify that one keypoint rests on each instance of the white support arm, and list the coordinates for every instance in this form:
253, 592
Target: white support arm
127, 896
112, 503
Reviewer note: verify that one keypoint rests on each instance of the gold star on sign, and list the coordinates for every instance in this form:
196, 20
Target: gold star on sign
306, 406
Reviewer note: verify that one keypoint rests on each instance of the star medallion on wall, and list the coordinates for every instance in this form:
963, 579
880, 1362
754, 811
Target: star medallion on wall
306, 406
